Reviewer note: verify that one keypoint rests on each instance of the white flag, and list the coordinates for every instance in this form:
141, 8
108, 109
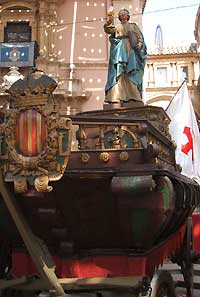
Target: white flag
185, 132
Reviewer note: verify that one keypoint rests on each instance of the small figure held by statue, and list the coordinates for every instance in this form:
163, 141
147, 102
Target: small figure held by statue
127, 61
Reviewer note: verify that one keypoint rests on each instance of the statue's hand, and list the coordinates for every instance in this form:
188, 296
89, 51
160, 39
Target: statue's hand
139, 46
110, 19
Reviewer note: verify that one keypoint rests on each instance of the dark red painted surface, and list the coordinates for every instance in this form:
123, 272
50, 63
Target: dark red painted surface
104, 265
196, 232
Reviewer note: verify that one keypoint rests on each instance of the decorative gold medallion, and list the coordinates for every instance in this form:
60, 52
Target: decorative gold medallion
85, 158
105, 157
124, 156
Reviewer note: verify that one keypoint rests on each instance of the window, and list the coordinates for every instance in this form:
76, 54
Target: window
183, 73
17, 32
161, 76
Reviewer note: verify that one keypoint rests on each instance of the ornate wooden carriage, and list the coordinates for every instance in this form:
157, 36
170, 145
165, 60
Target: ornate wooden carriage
91, 203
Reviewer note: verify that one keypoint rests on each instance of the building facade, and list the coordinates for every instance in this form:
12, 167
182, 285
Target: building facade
165, 71
71, 45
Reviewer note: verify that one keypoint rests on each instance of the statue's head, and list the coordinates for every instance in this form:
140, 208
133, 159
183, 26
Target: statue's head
124, 14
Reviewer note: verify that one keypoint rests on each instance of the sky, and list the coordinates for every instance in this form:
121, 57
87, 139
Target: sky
177, 24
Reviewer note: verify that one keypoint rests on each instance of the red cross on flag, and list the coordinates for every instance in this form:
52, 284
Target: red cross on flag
185, 132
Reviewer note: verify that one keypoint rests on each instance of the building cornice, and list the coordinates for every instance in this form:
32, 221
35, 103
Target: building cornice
178, 56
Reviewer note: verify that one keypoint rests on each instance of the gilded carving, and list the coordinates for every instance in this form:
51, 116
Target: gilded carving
35, 140
41, 184
85, 158
105, 157
20, 184
124, 156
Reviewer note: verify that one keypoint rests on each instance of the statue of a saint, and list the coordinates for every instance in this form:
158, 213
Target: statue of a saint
127, 60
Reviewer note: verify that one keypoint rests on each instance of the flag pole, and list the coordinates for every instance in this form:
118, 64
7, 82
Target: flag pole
185, 80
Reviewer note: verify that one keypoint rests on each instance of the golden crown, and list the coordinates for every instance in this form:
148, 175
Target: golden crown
33, 90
